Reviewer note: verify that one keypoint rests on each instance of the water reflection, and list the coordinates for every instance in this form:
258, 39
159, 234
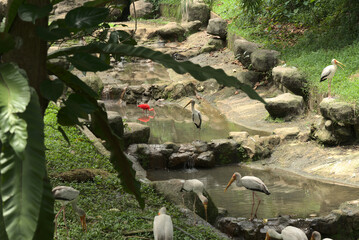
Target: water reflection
290, 194
174, 124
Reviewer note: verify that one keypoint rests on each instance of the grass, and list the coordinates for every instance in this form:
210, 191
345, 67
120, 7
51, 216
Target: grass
110, 210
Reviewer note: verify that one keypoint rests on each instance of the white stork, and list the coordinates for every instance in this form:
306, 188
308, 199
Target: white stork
288, 233
250, 183
316, 236
67, 195
197, 187
328, 73
196, 115
162, 226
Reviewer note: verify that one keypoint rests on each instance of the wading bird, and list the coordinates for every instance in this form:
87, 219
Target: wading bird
197, 187
328, 73
316, 236
162, 226
145, 107
288, 233
196, 115
250, 183
67, 195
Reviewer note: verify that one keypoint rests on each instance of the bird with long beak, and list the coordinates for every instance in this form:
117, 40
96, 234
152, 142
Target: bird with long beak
316, 236
67, 195
251, 183
196, 115
288, 233
328, 73
197, 187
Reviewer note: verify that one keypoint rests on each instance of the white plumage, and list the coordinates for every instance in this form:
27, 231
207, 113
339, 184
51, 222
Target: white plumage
196, 115
316, 236
328, 73
288, 233
251, 183
162, 226
196, 186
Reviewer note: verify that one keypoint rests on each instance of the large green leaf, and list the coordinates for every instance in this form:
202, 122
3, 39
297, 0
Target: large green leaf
22, 175
7, 42
52, 89
118, 159
88, 63
198, 72
52, 34
30, 12
3, 235
12, 13
86, 17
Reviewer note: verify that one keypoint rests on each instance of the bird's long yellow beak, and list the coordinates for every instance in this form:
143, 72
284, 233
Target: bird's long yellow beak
187, 104
312, 238
340, 64
83, 223
267, 237
230, 182
205, 211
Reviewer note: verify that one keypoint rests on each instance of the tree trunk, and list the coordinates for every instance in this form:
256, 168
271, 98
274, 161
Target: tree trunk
32, 54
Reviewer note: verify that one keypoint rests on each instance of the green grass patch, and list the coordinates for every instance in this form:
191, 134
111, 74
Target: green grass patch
110, 210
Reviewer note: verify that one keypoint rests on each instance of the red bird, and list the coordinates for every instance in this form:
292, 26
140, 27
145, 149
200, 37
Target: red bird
145, 107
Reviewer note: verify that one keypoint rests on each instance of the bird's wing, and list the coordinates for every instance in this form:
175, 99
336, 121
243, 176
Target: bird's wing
162, 227
194, 185
65, 193
293, 233
197, 118
254, 183
168, 227
326, 72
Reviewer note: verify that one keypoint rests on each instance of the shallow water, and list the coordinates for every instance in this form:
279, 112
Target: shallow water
290, 194
172, 123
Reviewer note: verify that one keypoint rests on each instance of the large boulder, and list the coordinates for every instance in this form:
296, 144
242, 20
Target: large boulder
243, 49
250, 77
286, 106
143, 9
179, 90
209, 86
136, 133
340, 112
171, 189
171, 31
264, 60
195, 10
180, 160
116, 123
205, 160
226, 151
94, 82
291, 79
217, 27
191, 27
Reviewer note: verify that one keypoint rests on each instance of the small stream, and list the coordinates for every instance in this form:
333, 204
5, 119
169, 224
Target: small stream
290, 194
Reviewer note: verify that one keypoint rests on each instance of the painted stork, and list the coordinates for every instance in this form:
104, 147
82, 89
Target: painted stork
316, 236
162, 226
67, 195
145, 107
328, 73
196, 186
288, 233
250, 183
196, 115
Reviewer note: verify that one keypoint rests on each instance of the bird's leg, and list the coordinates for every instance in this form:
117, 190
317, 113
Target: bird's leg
194, 209
63, 214
329, 88
259, 202
252, 206
55, 220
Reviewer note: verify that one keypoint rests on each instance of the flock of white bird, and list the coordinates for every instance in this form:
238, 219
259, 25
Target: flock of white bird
162, 224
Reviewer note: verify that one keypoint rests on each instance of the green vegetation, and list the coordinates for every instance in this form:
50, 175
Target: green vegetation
110, 210
269, 118
308, 33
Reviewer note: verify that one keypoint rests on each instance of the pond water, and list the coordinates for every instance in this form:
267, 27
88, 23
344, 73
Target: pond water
290, 194
172, 123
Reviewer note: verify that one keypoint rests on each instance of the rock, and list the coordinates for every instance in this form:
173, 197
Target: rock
180, 159
217, 27
226, 151
209, 86
243, 49
81, 175
200, 146
205, 160
241, 228
116, 123
340, 112
136, 133
290, 78
217, 42
171, 189
94, 82
151, 156
191, 27
258, 148
171, 31
250, 77
264, 60
195, 10
285, 106
207, 48
239, 137
288, 133
179, 90
143, 9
